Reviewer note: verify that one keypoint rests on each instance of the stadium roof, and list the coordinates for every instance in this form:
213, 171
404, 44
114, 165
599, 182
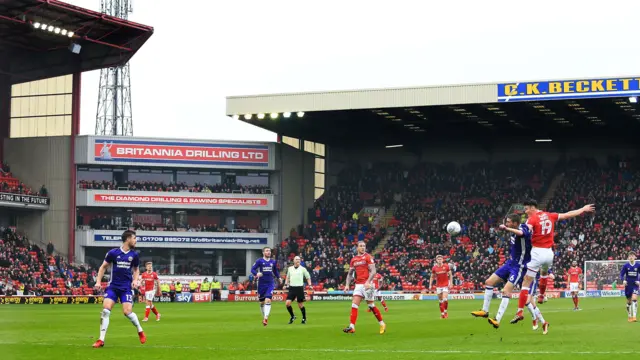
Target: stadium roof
481, 113
28, 53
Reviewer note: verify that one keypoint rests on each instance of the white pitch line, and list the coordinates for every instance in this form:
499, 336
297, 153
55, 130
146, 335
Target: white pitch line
318, 350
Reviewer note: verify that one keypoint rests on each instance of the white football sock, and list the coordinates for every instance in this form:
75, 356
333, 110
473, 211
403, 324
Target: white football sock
503, 307
628, 310
262, 309
134, 320
634, 308
104, 323
539, 315
267, 310
488, 294
532, 310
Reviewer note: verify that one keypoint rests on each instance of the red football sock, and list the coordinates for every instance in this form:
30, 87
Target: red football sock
524, 296
384, 303
153, 308
377, 313
575, 301
446, 305
146, 312
441, 307
354, 315
542, 284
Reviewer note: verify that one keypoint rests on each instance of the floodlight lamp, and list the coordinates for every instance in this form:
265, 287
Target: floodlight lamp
274, 115
63, 32
36, 25
287, 114
70, 34
261, 116
300, 113
633, 99
56, 30
247, 116
50, 28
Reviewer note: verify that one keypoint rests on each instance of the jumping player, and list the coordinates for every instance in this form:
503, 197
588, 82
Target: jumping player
378, 295
574, 277
365, 270
630, 276
296, 275
542, 225
512, 272
266, 273
151, 289
124, 264
444, 277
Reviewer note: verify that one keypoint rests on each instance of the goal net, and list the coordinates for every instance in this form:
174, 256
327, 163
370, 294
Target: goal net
600, 275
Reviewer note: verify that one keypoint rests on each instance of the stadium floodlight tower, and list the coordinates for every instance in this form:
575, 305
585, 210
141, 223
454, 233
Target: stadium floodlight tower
114, 116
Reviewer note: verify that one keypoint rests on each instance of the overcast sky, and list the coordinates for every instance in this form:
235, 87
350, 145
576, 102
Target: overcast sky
205, 50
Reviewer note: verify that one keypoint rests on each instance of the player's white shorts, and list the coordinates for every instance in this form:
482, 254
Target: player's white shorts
149, 295
366, 294
378, 294
442, 290
574, 287
541, 258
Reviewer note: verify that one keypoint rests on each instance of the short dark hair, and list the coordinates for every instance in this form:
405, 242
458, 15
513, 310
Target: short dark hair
127, 234
530, 202
515, 218
265, 248
632, 253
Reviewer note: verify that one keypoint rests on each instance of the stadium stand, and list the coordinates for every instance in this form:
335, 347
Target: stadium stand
26, 268
10, 184
410, 232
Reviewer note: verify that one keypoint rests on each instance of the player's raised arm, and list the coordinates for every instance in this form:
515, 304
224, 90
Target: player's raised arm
518, 232
573, 213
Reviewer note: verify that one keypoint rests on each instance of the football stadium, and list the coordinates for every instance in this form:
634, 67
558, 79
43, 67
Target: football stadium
205, 239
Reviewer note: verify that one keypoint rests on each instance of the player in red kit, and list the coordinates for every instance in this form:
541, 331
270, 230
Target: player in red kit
443, 276
542, 225
364, 269
151, 288
376, 284
574, 277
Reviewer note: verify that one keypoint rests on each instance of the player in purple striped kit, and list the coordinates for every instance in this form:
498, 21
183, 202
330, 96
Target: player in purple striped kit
125, 271
512, 272
266, 272
630, 276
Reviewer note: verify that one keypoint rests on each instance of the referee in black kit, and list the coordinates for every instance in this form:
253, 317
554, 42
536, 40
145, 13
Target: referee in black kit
296, 275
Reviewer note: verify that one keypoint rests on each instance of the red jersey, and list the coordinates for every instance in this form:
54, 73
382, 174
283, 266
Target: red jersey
361, 264
376, 280
544, 225
574, 274
149, 280
442, 275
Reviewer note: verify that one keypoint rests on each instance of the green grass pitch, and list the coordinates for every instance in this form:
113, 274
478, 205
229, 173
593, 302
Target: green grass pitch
234, 331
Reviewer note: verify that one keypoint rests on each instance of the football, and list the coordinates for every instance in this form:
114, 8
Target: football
453, 228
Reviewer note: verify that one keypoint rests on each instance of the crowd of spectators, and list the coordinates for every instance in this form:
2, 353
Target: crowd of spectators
174, 187
27, 269
420, 201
